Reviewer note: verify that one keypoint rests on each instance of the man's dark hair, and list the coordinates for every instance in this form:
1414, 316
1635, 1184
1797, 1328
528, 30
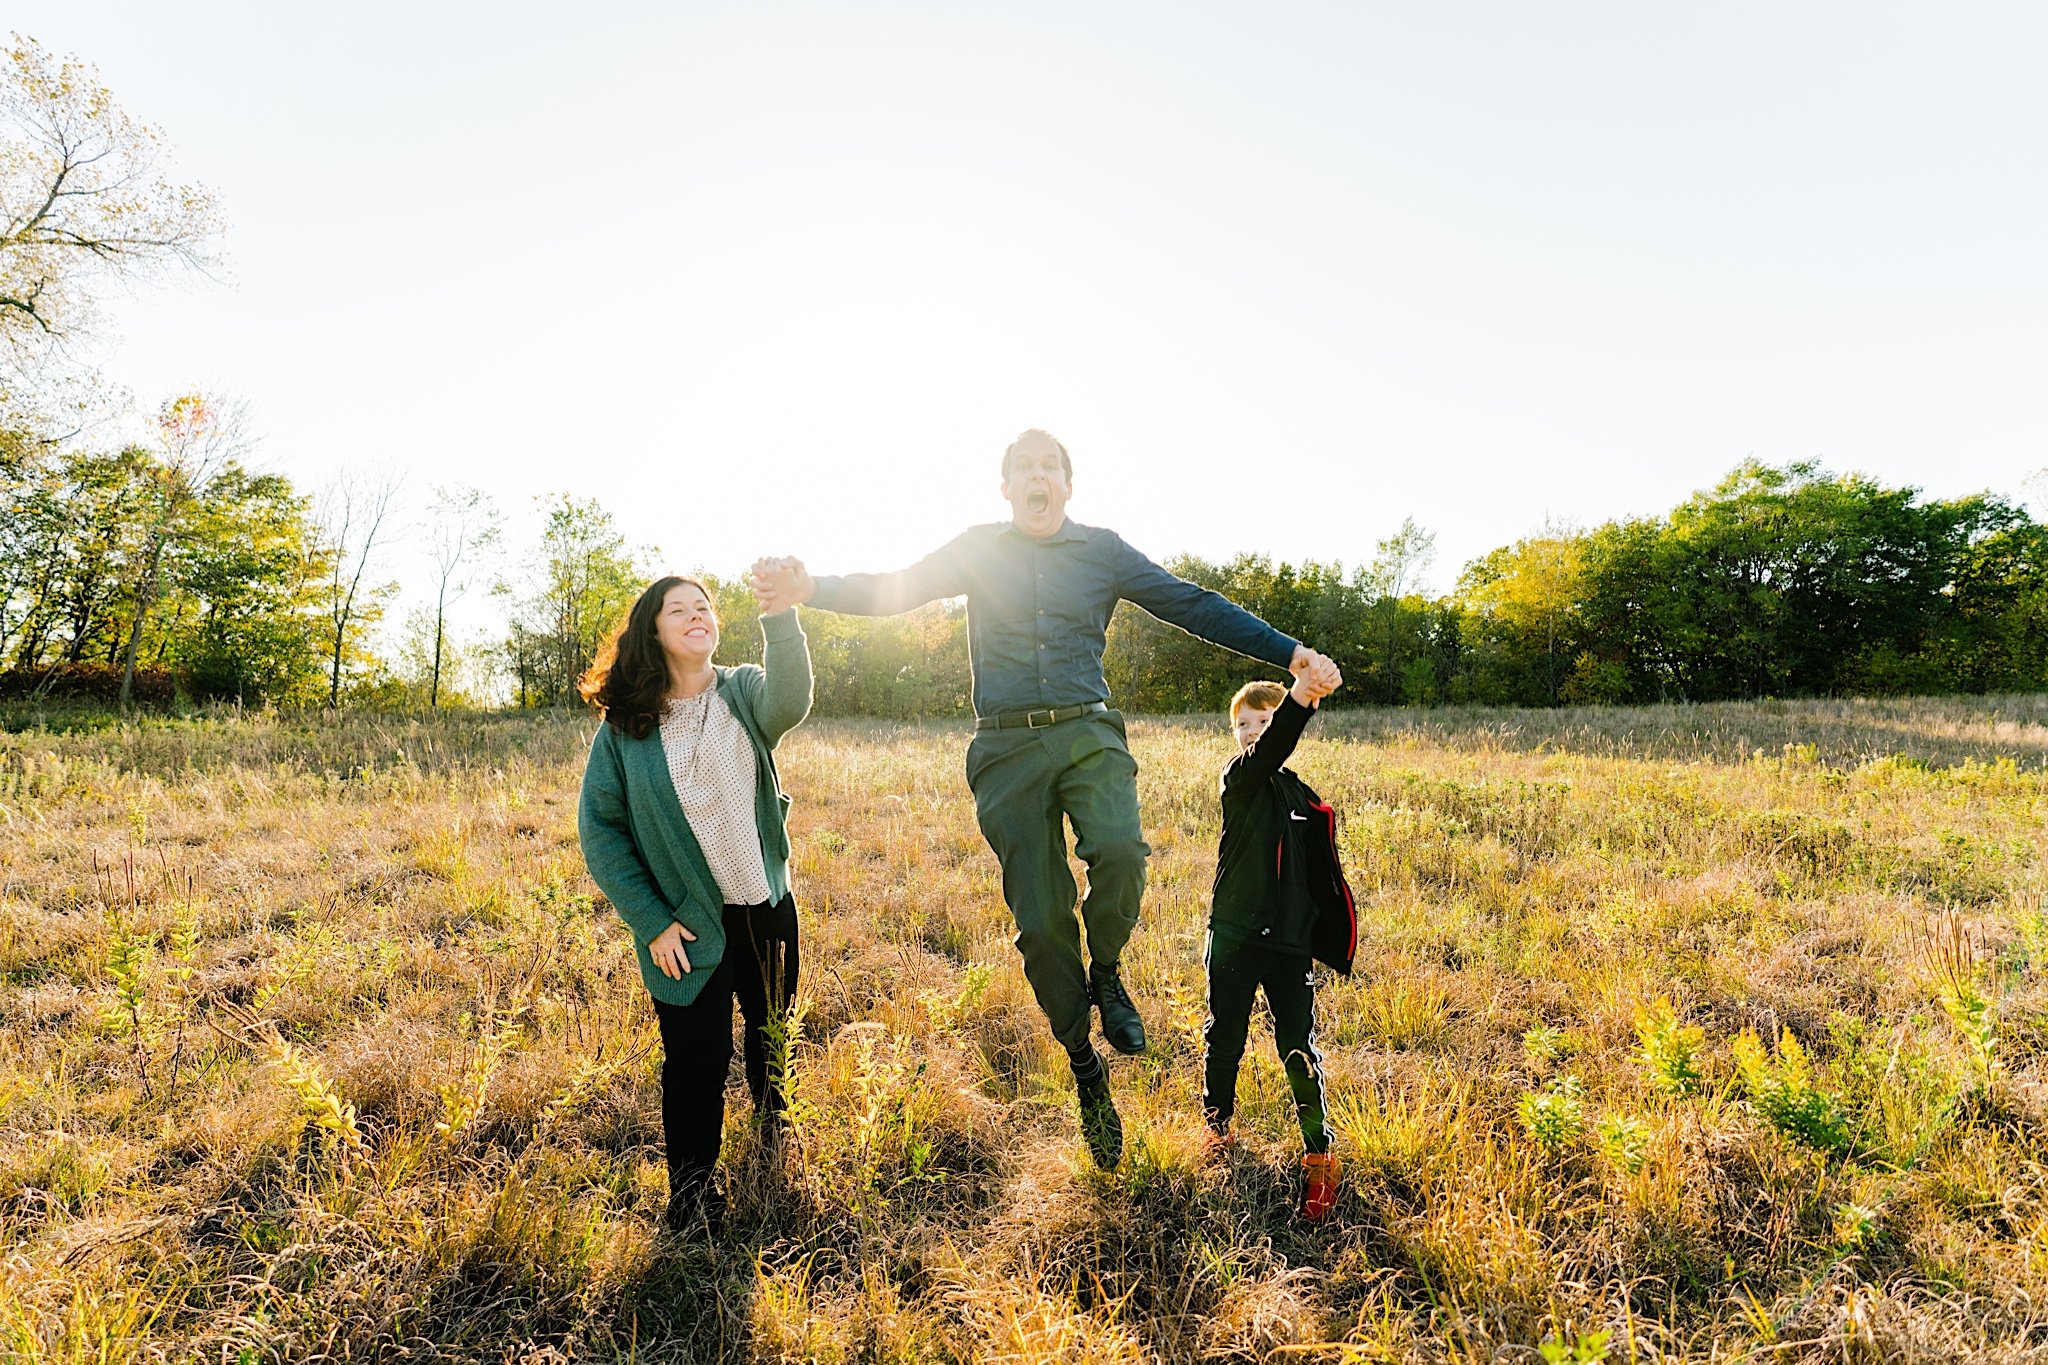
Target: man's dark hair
1066, 465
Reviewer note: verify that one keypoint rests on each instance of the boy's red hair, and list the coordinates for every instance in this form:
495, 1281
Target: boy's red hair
1263, 695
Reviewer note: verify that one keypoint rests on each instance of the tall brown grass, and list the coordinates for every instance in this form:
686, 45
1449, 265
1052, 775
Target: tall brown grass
1677, 1033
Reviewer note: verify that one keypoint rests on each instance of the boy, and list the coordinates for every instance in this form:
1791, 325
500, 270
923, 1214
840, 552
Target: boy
1280, 901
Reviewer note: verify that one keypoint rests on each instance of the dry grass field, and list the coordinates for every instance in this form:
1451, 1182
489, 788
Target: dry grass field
1702, 1034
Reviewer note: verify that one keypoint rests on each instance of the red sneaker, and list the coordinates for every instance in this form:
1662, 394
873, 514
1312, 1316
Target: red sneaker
1321, 1175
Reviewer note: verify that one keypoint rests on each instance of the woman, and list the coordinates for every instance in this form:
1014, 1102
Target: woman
684, 829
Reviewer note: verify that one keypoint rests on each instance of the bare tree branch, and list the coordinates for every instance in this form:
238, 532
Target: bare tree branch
465, 527
82, 198
354, 515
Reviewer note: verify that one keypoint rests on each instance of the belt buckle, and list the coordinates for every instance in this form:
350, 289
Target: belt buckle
1031, 720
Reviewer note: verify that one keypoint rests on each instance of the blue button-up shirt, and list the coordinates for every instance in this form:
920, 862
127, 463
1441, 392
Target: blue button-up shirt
1038, 610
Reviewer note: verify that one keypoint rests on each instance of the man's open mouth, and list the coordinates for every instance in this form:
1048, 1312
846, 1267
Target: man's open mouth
1035, 501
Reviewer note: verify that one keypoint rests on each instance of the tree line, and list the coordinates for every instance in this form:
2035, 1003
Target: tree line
1776, 582
171, 569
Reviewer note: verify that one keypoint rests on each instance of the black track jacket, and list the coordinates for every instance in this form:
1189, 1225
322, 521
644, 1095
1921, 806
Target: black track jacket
1278, 881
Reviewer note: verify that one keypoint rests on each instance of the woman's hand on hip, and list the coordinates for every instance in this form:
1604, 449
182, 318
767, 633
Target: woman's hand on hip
667, 951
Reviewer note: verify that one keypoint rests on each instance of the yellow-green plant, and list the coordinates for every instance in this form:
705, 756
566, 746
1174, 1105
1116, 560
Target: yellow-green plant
2033, 936
1856, 1224
862, 1117
1952, 953
1554, 1115
782, 1029
1624, 1141
128, 954
1544, 1044
592, 1074
184, 946
948, 1011
1784, 1093
1671, 1050
299, 1072
130, 1014
1578, 1348
295, 963
462, 1102
1404, 1012
184, 952
1404, 1134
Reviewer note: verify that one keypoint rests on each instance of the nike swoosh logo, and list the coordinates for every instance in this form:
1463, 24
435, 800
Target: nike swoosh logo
1297, 815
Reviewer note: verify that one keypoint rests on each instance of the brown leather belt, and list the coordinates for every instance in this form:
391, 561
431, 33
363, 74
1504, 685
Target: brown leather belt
1038, 720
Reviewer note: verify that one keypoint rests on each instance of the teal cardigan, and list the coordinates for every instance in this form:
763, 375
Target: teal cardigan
638, 846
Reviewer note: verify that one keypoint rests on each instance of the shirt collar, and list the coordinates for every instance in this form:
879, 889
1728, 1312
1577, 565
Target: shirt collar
1069, 530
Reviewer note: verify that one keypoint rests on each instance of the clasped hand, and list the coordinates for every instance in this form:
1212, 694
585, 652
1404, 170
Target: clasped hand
1315, 675
780, 583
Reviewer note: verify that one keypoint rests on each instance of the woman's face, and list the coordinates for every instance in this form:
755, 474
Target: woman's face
687, 627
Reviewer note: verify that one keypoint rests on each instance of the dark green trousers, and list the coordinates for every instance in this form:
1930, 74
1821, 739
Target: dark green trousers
1027, 785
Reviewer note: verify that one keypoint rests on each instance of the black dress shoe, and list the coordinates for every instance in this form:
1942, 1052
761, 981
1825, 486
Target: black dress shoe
696, 1205
1101, 1128
1121, 1026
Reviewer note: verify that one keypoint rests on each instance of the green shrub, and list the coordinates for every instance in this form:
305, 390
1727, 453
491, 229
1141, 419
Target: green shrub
1554, 1116
1784, 1093
1544, 1044
1624, 1141
1670, 1049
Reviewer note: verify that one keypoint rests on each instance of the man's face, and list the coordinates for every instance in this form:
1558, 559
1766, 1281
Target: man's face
1037, 486
1249, 723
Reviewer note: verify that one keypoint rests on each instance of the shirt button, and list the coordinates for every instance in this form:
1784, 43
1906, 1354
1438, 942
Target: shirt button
1041, 611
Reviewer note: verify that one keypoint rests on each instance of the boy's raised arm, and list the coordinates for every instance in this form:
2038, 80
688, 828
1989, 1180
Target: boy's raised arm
1271, 750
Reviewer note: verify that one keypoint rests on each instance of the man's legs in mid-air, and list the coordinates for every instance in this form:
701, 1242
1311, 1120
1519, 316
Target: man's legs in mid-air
1020, 782
1098, 791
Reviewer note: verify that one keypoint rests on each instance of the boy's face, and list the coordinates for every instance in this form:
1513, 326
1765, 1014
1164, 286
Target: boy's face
1249, 723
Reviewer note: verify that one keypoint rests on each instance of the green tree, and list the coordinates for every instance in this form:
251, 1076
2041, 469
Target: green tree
248, 620
1997, 638
199, 434
583, 582
69, 539
1525, 600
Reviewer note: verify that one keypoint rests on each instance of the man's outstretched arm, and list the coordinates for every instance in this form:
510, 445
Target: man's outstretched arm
782, 583
1213, 617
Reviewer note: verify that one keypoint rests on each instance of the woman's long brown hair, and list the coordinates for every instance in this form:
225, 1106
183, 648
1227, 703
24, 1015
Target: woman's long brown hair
630, 675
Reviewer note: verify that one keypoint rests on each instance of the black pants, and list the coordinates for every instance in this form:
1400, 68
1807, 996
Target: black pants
759, 970
1236, 973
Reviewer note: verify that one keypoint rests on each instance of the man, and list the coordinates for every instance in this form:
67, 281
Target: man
1040, 590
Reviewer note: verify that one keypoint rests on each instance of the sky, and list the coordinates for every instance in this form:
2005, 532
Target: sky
785, 278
